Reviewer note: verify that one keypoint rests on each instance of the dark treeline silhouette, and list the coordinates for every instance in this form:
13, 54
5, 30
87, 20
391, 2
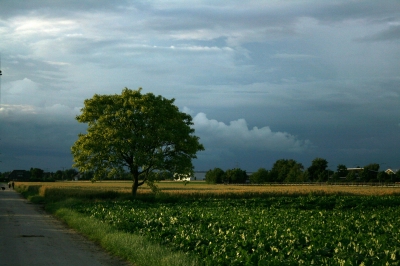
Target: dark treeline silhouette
290, 171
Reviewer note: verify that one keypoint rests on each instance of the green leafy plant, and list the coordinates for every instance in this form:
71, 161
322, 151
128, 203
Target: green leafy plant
349, 230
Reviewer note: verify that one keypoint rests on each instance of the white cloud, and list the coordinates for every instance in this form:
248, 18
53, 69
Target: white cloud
187, 111
21, 87
7, 111
22, 92
58, 63
49, 115
238, 136
35, 26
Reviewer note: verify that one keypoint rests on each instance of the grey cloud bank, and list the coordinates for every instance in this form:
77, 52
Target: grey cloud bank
263, 80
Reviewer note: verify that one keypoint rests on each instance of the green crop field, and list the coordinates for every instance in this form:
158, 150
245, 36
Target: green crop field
320, 230
247, 225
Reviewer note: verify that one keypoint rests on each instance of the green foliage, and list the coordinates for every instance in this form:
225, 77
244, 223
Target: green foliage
295, 175
36, 174
320, 230
156, 190
351, 176
235, 176
141, 132
342, 170
158, 176
215, 176
383, 177
86, 175
285, 169
4, 176
260, 177
136, 249
370, 173
58, 175
69, 174
317, 170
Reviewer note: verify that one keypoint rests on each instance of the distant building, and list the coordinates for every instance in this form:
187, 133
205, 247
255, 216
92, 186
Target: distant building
391, 171
19, 175
198, 176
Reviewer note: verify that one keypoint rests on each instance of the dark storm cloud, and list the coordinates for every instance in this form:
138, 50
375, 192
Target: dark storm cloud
265, 80
35, 136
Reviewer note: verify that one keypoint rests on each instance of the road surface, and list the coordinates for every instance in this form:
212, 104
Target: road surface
30, 236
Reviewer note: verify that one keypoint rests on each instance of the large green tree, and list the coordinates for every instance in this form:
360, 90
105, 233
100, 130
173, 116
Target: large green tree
370, 173
341, 170
284, 170
138, 132
215, 176
260, 177
36, 173
235, 176
317, 170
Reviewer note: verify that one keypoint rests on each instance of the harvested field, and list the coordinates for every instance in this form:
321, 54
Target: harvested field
201, 188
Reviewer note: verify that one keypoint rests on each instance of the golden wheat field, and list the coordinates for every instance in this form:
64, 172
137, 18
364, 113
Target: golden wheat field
198, 188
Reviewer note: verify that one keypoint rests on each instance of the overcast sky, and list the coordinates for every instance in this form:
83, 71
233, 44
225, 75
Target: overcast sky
263, 80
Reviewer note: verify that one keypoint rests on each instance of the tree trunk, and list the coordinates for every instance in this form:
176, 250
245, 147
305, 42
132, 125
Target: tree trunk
135, 185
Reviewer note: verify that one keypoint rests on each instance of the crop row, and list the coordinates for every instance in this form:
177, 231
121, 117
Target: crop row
341, 230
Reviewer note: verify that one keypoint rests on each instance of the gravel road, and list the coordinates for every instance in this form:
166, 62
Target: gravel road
30, 236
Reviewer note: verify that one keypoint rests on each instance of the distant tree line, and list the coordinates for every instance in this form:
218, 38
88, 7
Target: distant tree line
282, 171
290, 171
40, 175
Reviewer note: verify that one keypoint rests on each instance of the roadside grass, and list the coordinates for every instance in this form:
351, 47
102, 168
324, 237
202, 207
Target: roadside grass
130, 247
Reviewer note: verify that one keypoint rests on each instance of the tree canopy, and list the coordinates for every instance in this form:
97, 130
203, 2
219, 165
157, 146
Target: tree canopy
235, 176
286, 170
139, 132
370, 172
214, 176
317, 170
261, 176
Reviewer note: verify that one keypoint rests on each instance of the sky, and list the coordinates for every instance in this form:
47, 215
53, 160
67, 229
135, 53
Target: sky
263, 80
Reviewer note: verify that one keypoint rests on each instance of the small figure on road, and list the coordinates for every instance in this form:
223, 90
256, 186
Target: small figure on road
9, 184
12, 184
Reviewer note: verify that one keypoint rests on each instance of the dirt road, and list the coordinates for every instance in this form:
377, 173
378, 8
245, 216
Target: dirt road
29, 236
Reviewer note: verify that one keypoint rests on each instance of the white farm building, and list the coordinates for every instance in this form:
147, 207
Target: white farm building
198, 176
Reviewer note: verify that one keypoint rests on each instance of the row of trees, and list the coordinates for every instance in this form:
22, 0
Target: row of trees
289, 171
40, 175
217, 176
37, 174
